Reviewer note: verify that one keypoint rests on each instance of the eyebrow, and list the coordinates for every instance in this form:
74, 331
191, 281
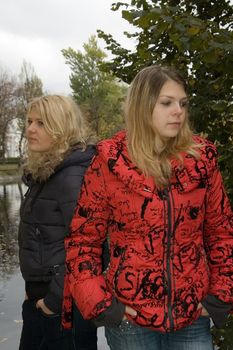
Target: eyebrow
172, 97
39, 118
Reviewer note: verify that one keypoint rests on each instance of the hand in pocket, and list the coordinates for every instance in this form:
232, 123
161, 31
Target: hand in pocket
129, 311
41, 305
204, 312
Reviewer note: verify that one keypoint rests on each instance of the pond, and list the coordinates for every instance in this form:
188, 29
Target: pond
10, 198
11, 282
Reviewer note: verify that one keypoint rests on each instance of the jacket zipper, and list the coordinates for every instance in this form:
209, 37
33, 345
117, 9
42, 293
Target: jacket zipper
37, 230
38, 235
168, 256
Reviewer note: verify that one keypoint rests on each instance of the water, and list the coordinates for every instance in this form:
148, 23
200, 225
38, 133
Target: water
11, 282
10, 198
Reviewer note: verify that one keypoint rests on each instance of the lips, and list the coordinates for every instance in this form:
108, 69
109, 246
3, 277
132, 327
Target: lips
175, 124
32, 140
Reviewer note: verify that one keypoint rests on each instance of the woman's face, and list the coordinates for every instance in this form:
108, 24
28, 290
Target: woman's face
170, 110
37, 137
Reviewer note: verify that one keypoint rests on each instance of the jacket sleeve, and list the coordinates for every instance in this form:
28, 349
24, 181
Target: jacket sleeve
217, 309
67, 197
84, 246
218, 238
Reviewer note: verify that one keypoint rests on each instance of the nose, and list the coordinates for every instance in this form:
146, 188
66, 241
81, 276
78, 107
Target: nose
177, 108
31, 127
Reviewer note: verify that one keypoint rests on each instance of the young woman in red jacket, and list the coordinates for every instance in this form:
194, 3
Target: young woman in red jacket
156, 192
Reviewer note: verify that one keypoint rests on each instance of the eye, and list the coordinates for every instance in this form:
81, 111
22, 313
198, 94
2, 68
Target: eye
29, 121
183, 104
166, 103
40, 123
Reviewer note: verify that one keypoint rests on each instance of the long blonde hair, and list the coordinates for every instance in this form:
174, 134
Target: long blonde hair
64, 122
142, 138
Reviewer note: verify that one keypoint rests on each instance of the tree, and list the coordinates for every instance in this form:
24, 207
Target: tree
98, 93
30, 86
197, 38
8, 86
15, 94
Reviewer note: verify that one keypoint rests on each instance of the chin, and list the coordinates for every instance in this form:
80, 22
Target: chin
36, 150
171, 135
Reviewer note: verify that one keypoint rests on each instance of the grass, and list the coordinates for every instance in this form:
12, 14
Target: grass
9, 169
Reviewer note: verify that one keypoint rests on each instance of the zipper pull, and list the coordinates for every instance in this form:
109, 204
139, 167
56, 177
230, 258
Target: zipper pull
147, 190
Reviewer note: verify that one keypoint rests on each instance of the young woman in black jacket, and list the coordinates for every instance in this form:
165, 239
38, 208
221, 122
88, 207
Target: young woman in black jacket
58, 151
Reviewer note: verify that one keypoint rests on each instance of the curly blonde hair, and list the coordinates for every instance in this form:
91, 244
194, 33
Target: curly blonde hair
64, 122
144, 143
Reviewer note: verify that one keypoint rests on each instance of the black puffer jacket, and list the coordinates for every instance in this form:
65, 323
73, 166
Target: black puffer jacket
45, 214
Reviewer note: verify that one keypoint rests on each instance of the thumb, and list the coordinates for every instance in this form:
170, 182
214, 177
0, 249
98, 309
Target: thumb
130, 311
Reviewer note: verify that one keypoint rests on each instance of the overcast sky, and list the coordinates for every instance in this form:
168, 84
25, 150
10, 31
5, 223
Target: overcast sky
37, 31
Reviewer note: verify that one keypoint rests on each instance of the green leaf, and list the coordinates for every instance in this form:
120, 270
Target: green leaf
193, 30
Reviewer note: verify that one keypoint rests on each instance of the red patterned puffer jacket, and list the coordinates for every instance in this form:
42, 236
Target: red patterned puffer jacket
168, 248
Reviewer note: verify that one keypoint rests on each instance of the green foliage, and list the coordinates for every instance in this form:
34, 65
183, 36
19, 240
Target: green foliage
11, 160
223, 338
98, 93
197, 38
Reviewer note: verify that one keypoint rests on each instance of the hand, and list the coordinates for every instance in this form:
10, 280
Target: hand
41, 305
129, 311
204, 312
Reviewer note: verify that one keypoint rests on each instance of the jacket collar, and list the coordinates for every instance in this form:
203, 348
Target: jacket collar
191, 174
116, 154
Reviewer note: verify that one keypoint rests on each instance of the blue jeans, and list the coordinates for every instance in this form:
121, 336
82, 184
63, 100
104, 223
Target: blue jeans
131, 337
